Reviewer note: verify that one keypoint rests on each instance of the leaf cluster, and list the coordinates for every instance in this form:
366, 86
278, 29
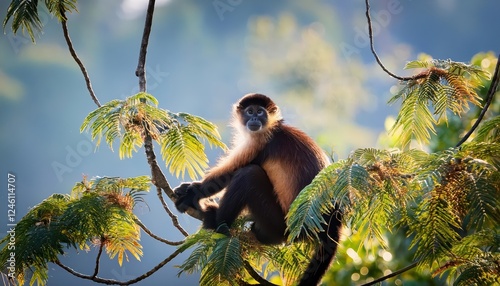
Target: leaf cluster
443, 86
218, 257
25, 14
440, 199
226, 260
98, 213
180, 135
489, 130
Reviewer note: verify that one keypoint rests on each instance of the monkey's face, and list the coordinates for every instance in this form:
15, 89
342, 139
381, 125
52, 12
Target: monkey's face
254, 117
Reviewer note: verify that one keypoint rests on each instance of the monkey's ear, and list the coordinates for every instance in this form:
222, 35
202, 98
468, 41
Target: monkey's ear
273, 109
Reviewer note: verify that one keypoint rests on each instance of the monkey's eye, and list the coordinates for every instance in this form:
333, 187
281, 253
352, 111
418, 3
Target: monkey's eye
260, 112
249, 112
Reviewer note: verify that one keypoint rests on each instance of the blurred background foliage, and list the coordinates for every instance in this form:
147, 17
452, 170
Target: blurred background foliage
311, 57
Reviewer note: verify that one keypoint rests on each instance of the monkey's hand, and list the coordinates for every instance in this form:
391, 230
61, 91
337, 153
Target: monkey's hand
188, 196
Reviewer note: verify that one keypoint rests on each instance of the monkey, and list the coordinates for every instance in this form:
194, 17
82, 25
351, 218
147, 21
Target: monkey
267, 166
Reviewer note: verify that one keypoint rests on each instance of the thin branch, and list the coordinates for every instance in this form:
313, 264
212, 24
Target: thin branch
98, 258
383, 278
116, 282
372, 47
160, 181
489, 99
78, 61
175, 221
150, 233
140, 71
255, 275
157, 176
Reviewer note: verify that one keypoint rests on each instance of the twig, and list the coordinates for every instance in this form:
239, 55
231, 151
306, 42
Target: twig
175, 221
372, 47
116, 282
489, 99
150, 233
98, 258
78, 61
383, 278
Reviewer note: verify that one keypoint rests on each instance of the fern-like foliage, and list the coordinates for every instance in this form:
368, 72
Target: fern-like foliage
221, 260
224, 263
180, 135
305, 212
99, 213
444, 86
489, 130
442, 199
475, 260
24, 14
218, 257
369, 187
287, 261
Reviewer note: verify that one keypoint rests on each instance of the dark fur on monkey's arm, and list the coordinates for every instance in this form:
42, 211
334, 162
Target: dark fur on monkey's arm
186, 201
187, 197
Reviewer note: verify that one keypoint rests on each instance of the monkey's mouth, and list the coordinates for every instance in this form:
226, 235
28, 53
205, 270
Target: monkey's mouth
254, 126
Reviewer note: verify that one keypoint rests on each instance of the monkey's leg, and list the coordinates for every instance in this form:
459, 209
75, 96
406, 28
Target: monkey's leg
250, 187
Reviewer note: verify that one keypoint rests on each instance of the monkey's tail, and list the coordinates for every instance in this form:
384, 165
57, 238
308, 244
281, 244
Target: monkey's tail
325, 253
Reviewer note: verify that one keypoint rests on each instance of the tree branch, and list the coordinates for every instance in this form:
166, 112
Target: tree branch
78, 61
116, 282
140, 71
175, 221
372, 47
383, 278
98, 258
150, 233
489, 99
157, 176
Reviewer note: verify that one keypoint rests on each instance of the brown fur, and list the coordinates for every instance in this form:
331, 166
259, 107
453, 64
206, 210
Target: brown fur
282, 172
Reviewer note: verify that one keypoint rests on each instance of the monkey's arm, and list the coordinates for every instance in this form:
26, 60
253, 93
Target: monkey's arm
189, 194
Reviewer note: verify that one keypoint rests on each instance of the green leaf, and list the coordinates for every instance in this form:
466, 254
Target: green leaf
39, 239
435, 235
414, 121
183, 152
180, 135
443, 86
305, 214
489, 130
122, 236
224, 263
418, 64
198, 258
58, 8
24, 14
203, 129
